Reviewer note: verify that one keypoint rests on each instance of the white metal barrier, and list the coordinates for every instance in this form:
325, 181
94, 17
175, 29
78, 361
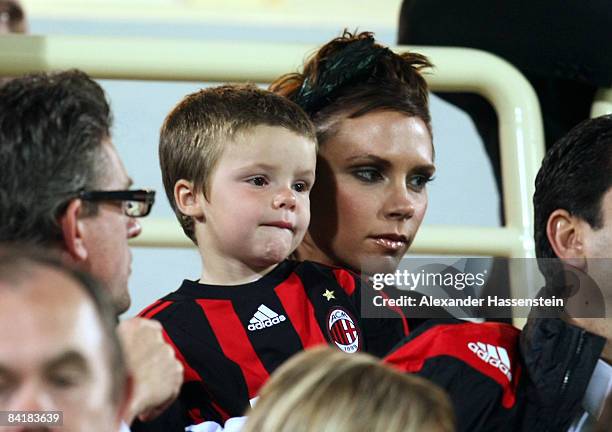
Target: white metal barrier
602, 104
456, 69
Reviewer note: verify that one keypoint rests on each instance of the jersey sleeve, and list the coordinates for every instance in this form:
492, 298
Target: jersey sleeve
478, 365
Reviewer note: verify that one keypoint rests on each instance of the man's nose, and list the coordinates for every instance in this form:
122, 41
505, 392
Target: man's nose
31, 397
134, 228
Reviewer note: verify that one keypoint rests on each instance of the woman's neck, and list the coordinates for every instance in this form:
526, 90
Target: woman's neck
309, 251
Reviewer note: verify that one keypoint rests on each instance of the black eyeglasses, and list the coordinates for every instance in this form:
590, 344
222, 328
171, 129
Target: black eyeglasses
135, 203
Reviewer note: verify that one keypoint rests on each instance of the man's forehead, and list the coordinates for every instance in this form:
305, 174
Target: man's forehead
50, 323
44, 292
47, 316
116, 175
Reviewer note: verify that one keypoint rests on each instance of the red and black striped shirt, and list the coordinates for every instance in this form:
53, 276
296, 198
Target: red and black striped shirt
231, 338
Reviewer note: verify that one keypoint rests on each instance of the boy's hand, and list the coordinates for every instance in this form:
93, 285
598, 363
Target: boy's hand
157, 373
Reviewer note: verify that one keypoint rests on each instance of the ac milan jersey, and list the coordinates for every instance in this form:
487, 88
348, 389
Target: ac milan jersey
231, 338
477, 364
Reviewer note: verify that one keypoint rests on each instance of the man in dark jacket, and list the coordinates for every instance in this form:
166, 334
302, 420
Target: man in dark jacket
568, 358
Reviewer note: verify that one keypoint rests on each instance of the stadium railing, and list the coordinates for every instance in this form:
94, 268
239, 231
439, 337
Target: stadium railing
456, 69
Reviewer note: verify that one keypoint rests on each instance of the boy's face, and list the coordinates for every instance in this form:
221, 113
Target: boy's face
258, 206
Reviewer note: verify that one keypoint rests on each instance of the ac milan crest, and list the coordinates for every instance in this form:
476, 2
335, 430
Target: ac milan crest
343, 331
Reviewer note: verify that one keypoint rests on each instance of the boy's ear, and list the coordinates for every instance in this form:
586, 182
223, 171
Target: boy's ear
565, 234
73, 230
187, 199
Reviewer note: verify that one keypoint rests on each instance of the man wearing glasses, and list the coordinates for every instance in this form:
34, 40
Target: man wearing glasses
64, 187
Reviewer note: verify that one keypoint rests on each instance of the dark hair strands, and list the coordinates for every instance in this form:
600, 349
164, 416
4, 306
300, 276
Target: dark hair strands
52, 126
388, 81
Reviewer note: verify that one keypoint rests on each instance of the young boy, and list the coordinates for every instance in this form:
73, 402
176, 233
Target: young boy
238, 164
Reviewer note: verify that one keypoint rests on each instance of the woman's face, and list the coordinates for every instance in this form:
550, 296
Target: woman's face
370, 195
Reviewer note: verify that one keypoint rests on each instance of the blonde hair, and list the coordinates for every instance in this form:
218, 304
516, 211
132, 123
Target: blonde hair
325, 390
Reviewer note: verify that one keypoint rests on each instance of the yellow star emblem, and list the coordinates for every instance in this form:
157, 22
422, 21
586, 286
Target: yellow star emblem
328, 295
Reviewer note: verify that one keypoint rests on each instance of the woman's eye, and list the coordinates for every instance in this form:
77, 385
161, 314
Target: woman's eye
418, 182
258, 181
301, 187
368, 175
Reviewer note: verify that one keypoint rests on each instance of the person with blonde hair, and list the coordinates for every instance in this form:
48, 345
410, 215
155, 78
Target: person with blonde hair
325, 390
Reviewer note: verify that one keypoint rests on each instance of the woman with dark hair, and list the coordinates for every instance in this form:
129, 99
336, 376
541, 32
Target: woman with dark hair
370, 109
376, 156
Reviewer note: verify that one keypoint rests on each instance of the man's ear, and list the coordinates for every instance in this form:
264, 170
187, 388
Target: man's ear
72, 231
565, 234
187, 199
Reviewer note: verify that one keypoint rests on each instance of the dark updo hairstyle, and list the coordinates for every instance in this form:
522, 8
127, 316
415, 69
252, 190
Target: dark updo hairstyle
352, 75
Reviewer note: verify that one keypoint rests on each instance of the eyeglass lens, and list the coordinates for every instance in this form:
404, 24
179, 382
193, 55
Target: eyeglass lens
136, 208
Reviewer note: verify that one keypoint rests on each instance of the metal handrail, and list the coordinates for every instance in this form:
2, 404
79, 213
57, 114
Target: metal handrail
457, 69
602, 103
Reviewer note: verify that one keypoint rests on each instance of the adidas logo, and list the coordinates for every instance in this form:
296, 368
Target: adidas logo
264, 317
496, 356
